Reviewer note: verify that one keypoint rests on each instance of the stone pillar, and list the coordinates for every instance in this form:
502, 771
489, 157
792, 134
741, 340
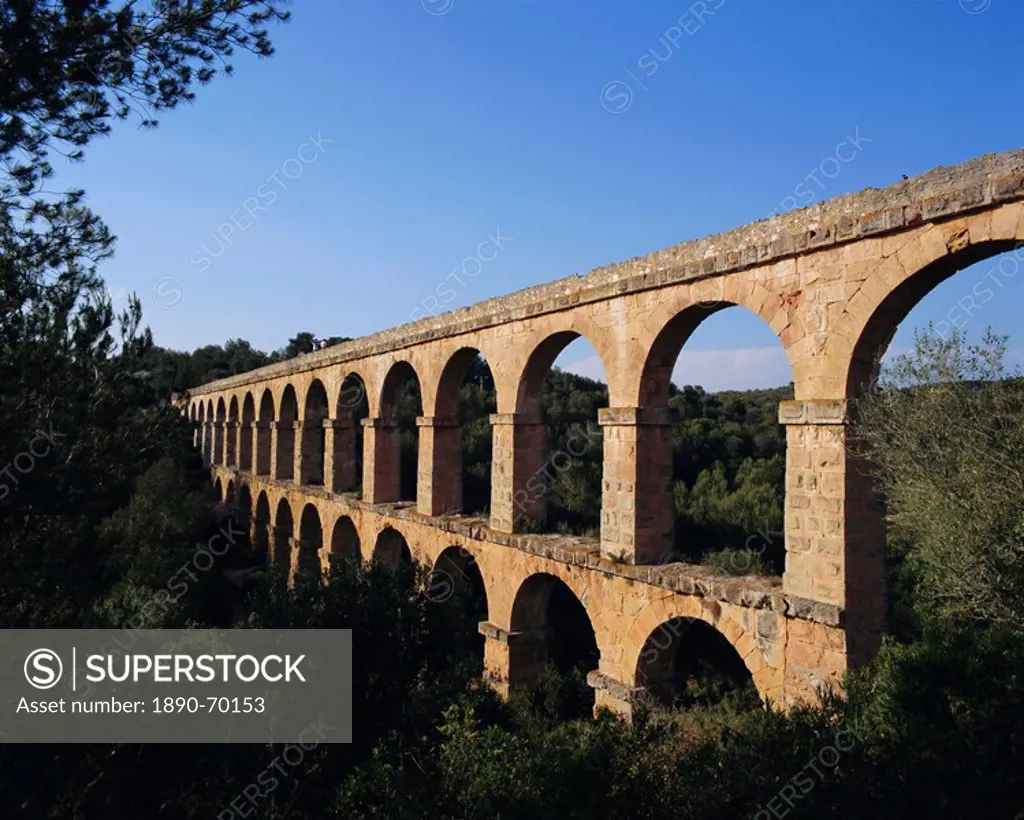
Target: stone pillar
637, 515
295, 561
439, 485
274, 433
518, 479
246, 441
232, 444
309, 466
285, 563
340, 455
284, 450
263, 436
308, 562
512, 660
382, 475
835, 536
611, 694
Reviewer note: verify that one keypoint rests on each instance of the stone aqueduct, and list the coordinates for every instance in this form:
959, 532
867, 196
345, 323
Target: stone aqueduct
832, 281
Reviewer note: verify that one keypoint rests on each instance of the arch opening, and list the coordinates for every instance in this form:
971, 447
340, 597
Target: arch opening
352, 407
218, 432
287, 421
232, 433
686, 662
284, 532
557, 643
391, 549
208, 434
457, 583
561, 390
314, 435
397, 460
218, 491
717, 374
229, 494
311, 541
983, 278
263, 433
345, 544
261, 528
466, 398
932, 329
195, 418
245, 433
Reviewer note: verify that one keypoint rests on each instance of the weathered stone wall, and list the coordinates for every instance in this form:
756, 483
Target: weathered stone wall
625, 603
832, 281
940, 194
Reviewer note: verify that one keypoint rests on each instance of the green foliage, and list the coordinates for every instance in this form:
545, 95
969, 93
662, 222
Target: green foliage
730, 463
945, 428
74, 374
717, 515
173, 371
742, 561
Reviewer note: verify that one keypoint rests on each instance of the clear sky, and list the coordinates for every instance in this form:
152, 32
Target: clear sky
386, 141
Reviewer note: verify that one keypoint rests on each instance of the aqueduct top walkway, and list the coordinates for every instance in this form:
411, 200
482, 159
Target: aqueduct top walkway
832, 281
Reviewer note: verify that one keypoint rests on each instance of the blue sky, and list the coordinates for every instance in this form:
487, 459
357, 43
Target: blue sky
385, 143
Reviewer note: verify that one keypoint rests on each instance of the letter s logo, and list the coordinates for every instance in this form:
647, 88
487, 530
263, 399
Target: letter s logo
40, 668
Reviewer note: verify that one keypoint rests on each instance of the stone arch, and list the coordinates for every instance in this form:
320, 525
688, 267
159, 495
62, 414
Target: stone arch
452, 435
311, 541
552, 627
395, 380
353, 393
218, 432
682, 650
878, 318
264, 436
218, 490
526, 435
655, 373
208, 426
262, 527
528, 391
855, 559
346, 451
231, 433
396, 441
391, 548
446, 395
767, 678
397, 376
245, 433
288, 418
345, 544
642, 434
458, 583
284, 534
458, 575
229, 493
314, 441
